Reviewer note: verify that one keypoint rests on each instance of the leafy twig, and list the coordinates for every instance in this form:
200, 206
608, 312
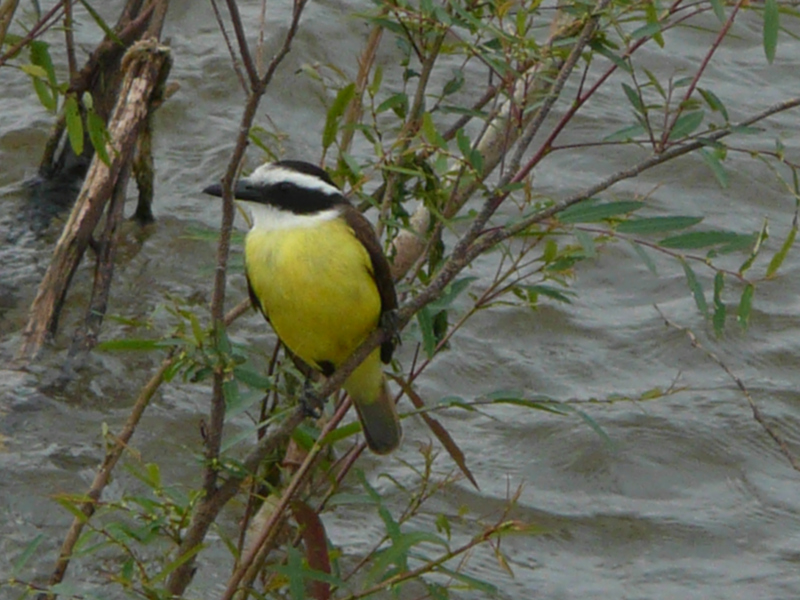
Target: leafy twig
757, 414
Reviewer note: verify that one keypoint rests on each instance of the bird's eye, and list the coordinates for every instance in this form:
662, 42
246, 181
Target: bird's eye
284, 186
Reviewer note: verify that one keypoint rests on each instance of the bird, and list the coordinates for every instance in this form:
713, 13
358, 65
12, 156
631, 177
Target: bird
316, 271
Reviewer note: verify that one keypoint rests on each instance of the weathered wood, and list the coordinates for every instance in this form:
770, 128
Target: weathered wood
145, 66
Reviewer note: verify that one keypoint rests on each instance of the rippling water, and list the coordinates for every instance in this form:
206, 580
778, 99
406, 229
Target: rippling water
690, 499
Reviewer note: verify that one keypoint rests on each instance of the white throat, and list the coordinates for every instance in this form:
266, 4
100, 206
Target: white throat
266, 217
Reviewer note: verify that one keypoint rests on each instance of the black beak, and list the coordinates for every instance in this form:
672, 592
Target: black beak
242, 190
214, 190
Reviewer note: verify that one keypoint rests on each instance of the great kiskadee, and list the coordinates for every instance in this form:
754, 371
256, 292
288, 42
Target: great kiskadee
316, 271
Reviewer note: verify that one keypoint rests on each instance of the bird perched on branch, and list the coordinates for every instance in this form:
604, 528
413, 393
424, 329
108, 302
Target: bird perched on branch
316, 271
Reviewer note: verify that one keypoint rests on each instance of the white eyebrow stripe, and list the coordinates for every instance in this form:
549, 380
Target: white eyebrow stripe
269, 174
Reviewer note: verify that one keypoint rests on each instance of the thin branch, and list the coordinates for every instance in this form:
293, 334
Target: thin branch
241, 39
757, 414
234, 59
46, 22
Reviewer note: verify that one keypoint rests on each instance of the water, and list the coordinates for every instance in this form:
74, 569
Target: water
689, 499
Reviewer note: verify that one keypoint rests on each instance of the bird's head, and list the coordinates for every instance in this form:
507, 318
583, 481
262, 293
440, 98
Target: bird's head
276, 192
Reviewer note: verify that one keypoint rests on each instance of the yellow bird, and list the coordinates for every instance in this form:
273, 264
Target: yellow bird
316, 271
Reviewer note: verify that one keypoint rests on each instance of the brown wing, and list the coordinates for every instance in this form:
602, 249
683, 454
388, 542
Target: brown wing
381, 272
254, 299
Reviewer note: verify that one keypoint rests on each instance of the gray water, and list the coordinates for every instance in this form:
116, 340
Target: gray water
689, 499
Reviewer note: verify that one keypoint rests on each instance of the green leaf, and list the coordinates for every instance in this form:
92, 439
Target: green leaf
712, 159
397, 102
626, 133
591, 212
450, 293
101, 23
714, 103
695, 288
604, 50
762, 237
131, 344
29, 551
40, 55
335, 112
719, 306
34, 71
98, 134
549, 291
686, 124
771, 27
699, 239
657, 224
745, 305
634, 99
431, 134
45, 87
780, 255
425, 320
252, 379
651, 266
455, 84
72, 115
719, 9
587, 243
651, 13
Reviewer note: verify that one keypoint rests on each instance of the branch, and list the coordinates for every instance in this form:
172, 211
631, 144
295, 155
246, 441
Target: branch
757, 415
143, 65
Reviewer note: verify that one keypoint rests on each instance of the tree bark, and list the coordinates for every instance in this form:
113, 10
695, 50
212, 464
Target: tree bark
145, 67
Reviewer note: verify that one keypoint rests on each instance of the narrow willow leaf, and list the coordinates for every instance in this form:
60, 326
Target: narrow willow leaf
34, 71
431, 134
712, 160
652, 18
130, 344
455, 84
686, 124
230, 391
40, 55
29, 551
648, 262
72, 115
780, 255
695, 288
634, 99
397, 102
762, 237
425, 320
650, 30
699, 239
549, 291
771, 26
604, 50
335, 112
98, 135
587, 243
745, 305
719, 9
657, 224
102, 24
719, 306
591, 212
626, 133
714, 103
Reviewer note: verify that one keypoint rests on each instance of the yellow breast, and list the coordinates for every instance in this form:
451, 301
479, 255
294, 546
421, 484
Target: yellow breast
315, 284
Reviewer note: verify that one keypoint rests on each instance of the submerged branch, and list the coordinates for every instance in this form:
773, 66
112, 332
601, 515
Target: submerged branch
144, 67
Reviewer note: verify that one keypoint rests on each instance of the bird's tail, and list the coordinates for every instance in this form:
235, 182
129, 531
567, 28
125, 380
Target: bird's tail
375, 406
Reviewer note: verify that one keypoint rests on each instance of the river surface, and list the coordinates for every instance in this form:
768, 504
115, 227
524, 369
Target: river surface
688, 498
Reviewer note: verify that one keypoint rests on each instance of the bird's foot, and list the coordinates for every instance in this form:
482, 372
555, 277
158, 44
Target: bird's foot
311, 402
390, 323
